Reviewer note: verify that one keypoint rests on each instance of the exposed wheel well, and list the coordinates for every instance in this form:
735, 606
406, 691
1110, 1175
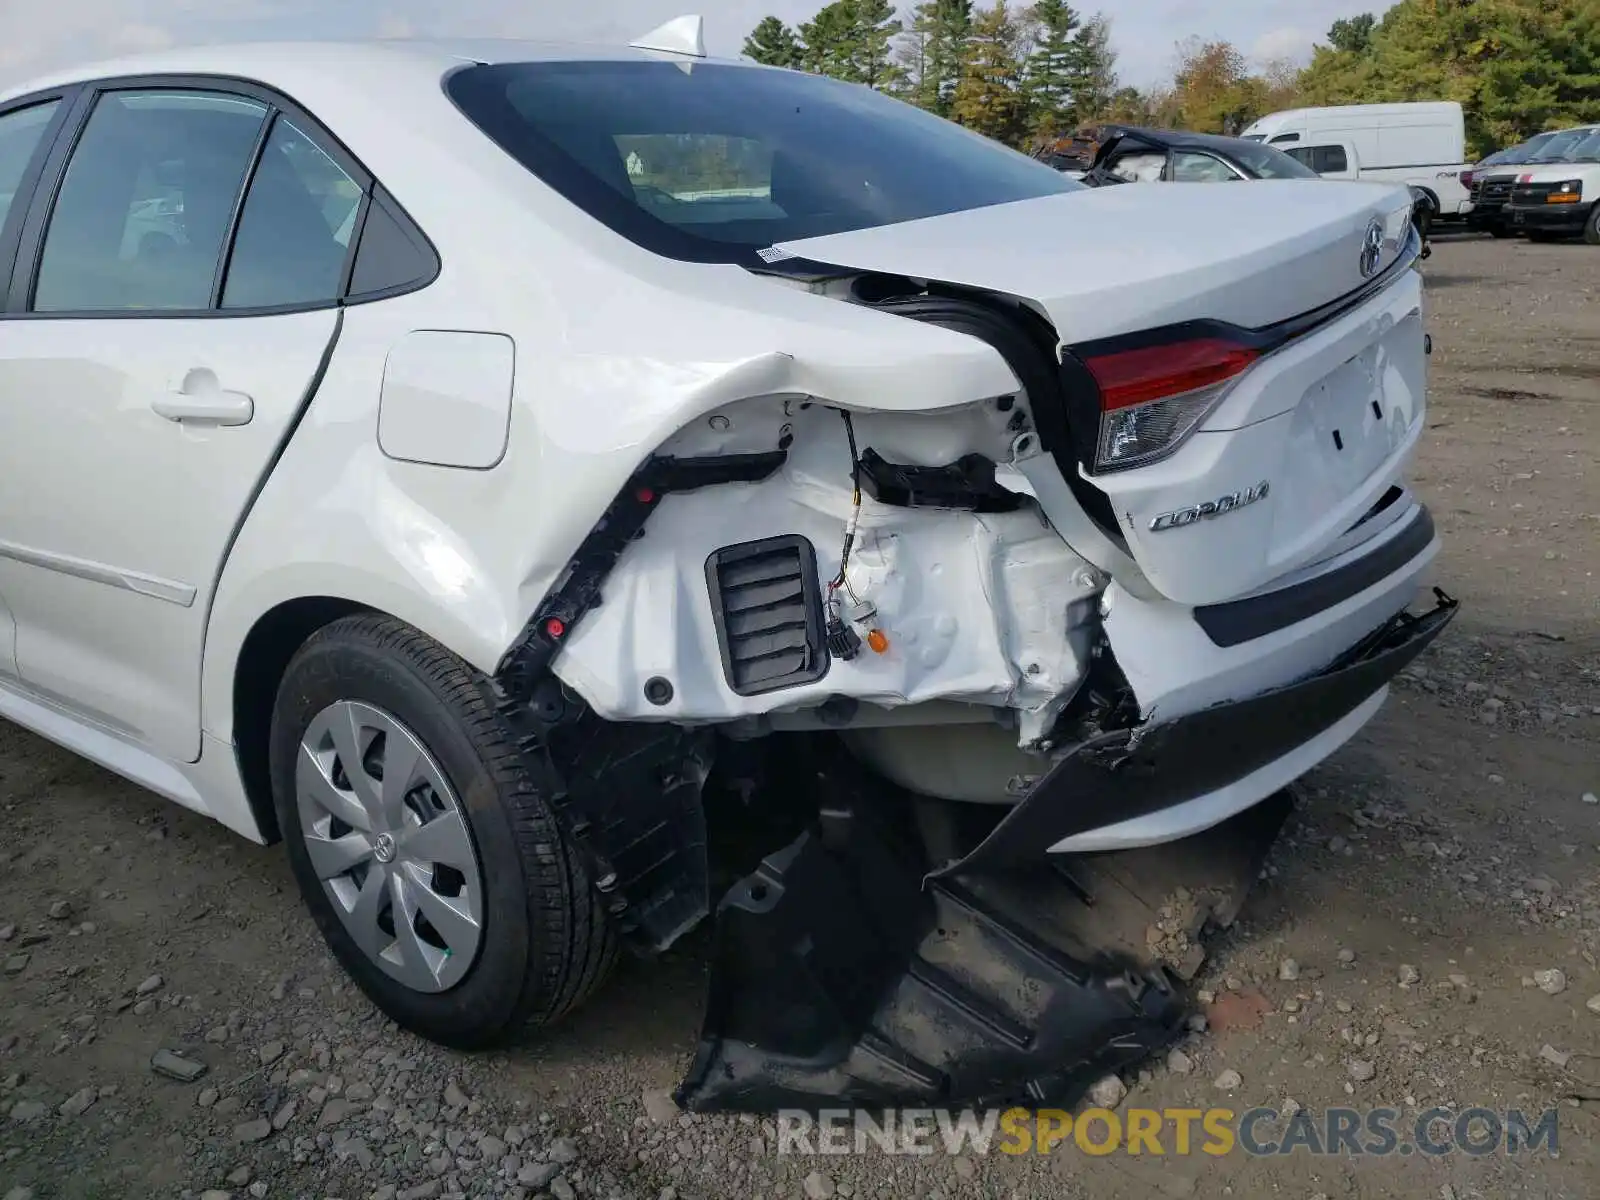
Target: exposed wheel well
262, 661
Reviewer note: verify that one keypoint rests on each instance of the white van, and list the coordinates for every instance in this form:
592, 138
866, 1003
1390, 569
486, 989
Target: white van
1422, 144
1559, 195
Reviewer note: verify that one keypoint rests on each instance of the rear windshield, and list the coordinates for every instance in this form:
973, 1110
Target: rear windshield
716, 162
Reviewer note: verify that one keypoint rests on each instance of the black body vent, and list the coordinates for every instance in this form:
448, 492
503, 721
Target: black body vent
768, 607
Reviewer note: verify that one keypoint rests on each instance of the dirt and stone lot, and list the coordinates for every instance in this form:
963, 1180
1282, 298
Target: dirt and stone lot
1426, 936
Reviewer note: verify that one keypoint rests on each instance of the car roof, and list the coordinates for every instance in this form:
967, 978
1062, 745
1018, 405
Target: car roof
1179, 137
279, 62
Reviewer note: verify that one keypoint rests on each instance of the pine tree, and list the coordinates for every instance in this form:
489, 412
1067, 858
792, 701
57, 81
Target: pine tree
1096, 64
947, 27
773, 43
1054, 69
831, 42
875, 28
1352, 34
910, 54
988, 98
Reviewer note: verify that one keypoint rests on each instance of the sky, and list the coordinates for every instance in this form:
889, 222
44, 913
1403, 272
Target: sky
44, 34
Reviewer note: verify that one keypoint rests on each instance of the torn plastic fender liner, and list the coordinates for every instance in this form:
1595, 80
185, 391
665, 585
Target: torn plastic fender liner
839, 978
844, 975
630, 797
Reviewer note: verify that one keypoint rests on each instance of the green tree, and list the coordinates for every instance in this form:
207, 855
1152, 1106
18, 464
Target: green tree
1130, 106
946, 29
773, 43
1352, 34
831, 42
1054, 68
875, 28
910, 54
1097, 66
1214, 91
988, 98
1515, 66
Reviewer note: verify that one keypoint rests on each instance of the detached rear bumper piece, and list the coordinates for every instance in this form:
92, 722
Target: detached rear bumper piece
1128, 774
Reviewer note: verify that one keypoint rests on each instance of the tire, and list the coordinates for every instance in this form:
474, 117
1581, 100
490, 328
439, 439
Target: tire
1591, 227
526, 941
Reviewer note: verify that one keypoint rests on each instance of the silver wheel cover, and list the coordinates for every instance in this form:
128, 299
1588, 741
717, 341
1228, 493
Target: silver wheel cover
387, 838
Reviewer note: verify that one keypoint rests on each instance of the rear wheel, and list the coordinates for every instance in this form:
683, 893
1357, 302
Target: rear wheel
1591, 228
430, 862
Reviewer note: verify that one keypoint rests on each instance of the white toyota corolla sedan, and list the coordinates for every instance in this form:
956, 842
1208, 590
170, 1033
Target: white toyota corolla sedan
457, 460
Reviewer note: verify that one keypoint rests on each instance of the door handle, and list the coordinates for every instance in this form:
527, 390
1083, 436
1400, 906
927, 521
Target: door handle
202, 400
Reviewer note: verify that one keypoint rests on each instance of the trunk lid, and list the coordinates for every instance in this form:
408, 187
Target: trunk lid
1104, 261
1293, 447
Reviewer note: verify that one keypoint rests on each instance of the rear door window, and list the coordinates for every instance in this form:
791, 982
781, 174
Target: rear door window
1140, 166
294, 232
1192, 166
146, 202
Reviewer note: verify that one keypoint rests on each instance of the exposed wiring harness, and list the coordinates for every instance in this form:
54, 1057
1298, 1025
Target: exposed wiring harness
843, 641
842, 579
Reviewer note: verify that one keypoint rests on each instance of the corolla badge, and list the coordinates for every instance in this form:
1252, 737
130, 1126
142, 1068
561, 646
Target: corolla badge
1220, 507
1372, 249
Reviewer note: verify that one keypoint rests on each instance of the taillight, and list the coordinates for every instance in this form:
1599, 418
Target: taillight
1466, 179
1152, 398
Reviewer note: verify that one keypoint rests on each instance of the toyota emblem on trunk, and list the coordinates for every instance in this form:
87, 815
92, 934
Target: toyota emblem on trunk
1371, 249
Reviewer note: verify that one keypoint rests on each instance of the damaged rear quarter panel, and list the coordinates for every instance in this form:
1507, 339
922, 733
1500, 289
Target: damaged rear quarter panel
614, 355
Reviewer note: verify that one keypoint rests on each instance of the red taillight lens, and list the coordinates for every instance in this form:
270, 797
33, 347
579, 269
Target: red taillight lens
1130, 377
1466, 179
1153, 398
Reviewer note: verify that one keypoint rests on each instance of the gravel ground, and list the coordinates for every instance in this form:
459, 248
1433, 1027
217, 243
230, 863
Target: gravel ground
1426, 934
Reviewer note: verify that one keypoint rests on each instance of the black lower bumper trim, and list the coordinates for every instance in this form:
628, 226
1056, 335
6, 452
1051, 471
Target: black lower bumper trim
1132, 773
1238, 621
1549, 218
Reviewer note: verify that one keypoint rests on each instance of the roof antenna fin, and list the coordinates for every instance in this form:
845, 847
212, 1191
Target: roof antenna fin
682, 35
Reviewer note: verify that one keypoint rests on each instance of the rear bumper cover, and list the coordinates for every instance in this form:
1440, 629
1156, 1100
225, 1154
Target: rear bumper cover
1134, 773
1238, 621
